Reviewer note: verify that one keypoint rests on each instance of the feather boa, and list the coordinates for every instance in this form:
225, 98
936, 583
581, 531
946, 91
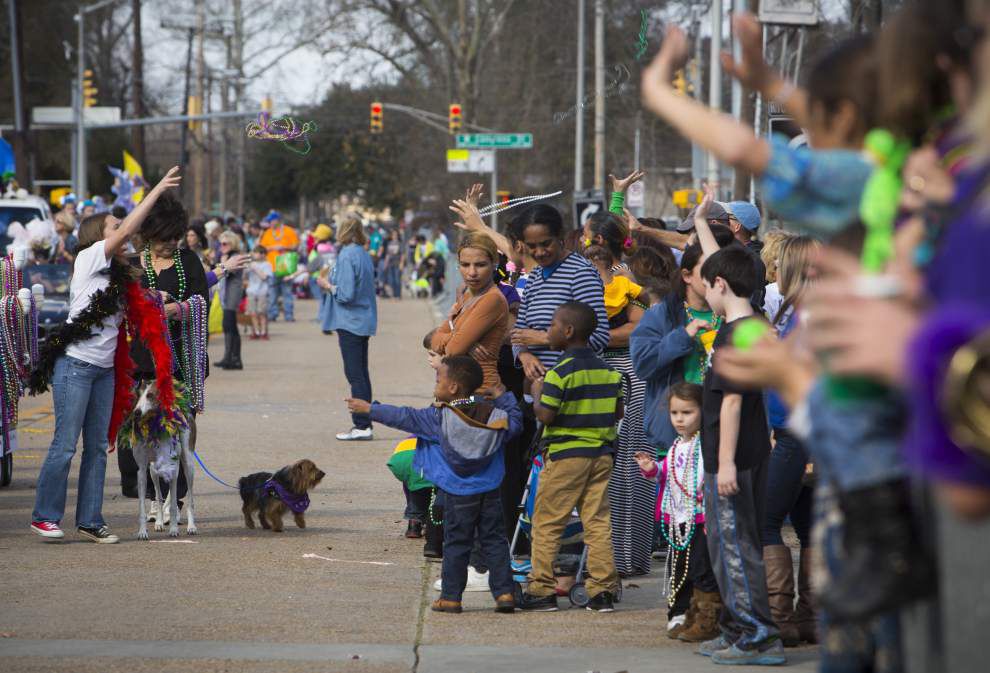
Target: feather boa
144, 319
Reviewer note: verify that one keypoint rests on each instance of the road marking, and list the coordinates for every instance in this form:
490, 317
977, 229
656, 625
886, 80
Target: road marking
37, 431
178, 541
339, 560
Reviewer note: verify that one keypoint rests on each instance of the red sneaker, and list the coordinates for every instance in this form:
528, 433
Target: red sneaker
47, 529
264, 337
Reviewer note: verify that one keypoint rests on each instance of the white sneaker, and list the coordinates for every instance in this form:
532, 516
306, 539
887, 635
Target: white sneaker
355, 434
475, 581
676, 621
166, 509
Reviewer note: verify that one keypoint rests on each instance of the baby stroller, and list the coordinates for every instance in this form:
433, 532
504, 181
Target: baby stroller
573, 534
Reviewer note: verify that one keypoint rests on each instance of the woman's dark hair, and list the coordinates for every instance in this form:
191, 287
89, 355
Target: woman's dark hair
167, 220
538, 213
613, 231
689, 260
682, 390
199, 230
847, 72
654, 270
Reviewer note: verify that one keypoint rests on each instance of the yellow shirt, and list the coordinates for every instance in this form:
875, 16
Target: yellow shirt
619, 293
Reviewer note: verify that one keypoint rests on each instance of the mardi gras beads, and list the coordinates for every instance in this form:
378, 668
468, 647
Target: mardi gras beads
180, 271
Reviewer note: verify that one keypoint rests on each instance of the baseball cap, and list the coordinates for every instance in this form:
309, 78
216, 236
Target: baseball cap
747, 214
272, 216
716, 211
322, 232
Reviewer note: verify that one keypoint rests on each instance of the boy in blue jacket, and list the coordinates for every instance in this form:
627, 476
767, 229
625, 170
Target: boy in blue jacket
465, 436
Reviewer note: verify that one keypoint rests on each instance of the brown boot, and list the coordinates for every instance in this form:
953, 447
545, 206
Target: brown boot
806, 612
705, 624
780, 591
506, 604
444, 605
689, 617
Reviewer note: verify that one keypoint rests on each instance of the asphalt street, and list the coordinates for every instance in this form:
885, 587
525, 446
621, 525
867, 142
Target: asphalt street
348, 593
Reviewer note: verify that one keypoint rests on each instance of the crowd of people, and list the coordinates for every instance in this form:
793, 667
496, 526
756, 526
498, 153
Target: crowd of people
687, 392
710, 384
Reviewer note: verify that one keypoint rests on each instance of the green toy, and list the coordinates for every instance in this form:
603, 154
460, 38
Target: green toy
878, 206
748, 332
877, 210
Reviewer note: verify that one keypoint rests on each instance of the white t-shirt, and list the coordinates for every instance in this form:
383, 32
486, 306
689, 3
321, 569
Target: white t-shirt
88, 277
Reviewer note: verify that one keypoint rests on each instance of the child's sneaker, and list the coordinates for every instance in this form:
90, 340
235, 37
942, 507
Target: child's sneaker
767, 654
533, 603
601, 602
710, 647
444, 605
100, 535
48, 529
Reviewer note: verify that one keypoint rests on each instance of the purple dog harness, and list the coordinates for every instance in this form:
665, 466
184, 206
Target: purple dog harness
297, 503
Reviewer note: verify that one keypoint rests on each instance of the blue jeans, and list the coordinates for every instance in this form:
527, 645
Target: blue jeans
393, 280
464, 517
283, 286
83, 395
354, 350
857, 441
786, 494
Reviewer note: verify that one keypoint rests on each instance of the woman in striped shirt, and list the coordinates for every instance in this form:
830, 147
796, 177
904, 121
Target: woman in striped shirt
561, 276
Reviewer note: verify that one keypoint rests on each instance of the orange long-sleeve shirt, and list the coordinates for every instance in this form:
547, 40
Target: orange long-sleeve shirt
481, 320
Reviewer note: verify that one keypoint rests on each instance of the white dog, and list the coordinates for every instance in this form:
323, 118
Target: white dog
160, 459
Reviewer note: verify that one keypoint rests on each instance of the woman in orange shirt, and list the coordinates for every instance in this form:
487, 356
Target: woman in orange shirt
478, 322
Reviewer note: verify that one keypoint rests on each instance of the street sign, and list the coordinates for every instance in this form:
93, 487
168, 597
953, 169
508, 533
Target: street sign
500, 141
66, 115
470, 161
586, 204
790, 12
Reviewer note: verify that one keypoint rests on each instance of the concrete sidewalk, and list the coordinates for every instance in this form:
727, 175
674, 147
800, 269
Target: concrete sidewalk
348, 593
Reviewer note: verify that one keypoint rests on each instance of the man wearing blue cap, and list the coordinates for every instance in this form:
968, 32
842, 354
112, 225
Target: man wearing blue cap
744, 221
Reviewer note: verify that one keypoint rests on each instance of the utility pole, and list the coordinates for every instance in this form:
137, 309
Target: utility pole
715, 83
238, 65
579, 116
80, 97
197, 157
137, 84
184, 132
224, 106
699, 160
21, 140
600, 95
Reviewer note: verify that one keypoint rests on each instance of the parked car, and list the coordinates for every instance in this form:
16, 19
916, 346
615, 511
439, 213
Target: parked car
54, 310
21, 209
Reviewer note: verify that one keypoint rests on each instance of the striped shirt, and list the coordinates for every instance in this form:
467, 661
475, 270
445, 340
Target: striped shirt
586, 394
575, 279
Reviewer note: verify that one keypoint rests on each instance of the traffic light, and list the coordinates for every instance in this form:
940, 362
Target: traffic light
376, 117
455, 117
680, 82
266, 104
89, 91
503, 196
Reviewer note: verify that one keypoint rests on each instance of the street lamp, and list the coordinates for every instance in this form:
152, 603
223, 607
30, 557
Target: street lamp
81, 96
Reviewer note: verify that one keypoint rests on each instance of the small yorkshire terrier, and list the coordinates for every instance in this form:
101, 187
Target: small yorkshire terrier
271, 495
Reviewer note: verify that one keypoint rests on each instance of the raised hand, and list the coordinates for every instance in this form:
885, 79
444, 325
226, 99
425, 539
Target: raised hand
656, 77
474, 193
752, 71
468, 212
621, 185
171, 179
631, 221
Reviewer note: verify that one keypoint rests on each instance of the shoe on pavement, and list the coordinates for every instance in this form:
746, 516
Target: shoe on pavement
532, 603
100, 535
710, 647
444, 605
414, 530
475, 581
505, 604
768, 654
676, 622
355, 434
166, 509
47, 529
601, 602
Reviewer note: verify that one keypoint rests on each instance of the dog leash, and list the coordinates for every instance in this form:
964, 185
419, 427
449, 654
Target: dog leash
210, 474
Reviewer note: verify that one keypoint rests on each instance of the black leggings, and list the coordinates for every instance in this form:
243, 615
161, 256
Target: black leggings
231, 336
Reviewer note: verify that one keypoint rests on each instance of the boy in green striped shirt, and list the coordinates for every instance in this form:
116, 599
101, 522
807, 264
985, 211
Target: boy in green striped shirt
579, 402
